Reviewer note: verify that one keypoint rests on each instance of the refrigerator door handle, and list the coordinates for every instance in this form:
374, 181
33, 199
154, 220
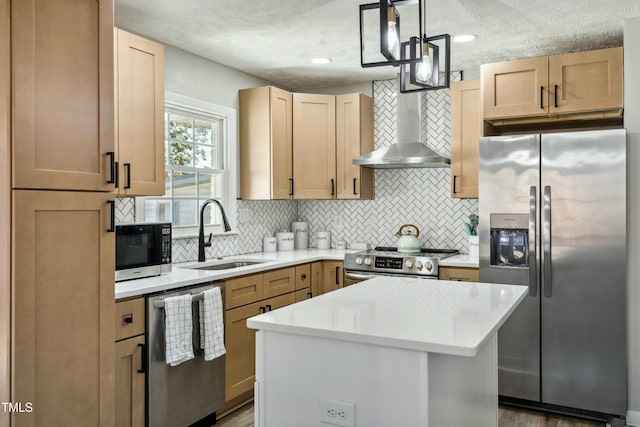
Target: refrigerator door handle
546, 241
533, 273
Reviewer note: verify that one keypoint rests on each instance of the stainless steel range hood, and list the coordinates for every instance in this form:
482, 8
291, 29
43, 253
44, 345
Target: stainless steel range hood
409, 152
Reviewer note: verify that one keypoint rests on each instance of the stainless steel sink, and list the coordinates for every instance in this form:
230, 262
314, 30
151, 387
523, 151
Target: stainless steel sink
224, 265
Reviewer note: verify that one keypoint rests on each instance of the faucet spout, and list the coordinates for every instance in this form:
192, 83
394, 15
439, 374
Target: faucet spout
201, 242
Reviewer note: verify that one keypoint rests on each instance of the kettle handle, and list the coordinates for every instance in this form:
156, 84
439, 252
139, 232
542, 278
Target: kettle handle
399, 233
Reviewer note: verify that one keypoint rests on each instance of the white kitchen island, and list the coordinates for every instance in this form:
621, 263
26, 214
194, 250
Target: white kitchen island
381, 353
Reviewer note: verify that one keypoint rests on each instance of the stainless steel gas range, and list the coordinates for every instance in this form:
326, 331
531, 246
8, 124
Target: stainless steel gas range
387, 261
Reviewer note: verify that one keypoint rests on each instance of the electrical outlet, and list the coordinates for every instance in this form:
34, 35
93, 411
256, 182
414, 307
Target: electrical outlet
244, 215
337, 413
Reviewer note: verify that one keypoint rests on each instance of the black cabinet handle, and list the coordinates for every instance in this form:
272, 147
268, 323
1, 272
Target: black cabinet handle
262, 310
127, 319
333, 190
303, 276
337, 273
291, 186
112, 225
541, 97
143, 358
309, 295
117, 175
127, 172
354, 186
268, 307
555, 96
112, 167
454, 183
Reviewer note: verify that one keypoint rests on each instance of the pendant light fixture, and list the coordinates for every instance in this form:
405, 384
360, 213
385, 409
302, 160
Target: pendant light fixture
433, 70
386, 14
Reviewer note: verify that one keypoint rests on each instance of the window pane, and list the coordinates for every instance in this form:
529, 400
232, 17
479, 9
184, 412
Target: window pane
157, 210
203, 132
180, 127
184, 184
180, 153
210, 186
184, 213
206, 157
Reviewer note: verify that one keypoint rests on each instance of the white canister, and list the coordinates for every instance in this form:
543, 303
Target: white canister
323, 240
269, 244
285, 241
301, 234
474, 246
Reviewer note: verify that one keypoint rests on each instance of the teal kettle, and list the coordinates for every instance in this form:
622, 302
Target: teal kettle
407, 242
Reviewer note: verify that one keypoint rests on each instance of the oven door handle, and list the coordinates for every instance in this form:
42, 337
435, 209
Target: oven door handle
359, 276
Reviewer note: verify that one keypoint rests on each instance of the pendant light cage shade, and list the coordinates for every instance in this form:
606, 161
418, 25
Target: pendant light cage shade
386, 15
435, 53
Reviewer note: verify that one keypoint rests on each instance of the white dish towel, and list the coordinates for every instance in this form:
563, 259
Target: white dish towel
178, 329
211, 324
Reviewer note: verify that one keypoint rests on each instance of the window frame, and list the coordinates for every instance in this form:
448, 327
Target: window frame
229, 147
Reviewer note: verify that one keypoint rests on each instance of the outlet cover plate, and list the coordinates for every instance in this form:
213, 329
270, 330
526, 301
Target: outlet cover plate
337, 412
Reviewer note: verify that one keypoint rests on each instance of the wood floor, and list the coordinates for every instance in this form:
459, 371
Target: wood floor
508, 417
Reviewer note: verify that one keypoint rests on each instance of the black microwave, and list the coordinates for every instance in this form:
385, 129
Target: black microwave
142, 250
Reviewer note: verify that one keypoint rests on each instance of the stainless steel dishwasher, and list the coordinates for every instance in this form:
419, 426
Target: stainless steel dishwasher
192, 391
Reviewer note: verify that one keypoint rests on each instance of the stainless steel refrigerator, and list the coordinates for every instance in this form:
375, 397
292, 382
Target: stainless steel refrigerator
552, 217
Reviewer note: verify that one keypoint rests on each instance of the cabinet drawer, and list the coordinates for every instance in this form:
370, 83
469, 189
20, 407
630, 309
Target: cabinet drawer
303, 294
129, 318
459, 274
303, 276
243, 290
279, 282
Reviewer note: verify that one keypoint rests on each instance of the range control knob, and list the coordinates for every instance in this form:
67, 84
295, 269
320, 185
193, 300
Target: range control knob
428, 265
408, 263
367, 261
358, 260
419, 265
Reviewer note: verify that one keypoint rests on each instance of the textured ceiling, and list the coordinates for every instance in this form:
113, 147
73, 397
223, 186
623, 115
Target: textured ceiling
276, 39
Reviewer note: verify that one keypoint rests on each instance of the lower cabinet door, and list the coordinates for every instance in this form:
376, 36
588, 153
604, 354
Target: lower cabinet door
459, 274
240, 342
130, 376
303, 294
333, 275
63, 308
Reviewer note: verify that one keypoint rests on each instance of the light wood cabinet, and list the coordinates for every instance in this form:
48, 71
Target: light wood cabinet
333, 275
139, 98
314, 146
266, 143
460, 274
278, 282
354, 137
466, 130
62, 81
317, 278
63, 308
573, 83
240, 343
303, 276
243, 290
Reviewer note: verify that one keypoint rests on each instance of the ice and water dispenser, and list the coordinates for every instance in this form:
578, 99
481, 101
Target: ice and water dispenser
509, 240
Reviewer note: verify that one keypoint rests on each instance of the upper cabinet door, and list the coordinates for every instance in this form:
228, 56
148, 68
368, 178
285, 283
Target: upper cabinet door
515, 88
354, 137
586, 81
140, 115
266, 143
62, 70
466, 130
314, 146
281, 110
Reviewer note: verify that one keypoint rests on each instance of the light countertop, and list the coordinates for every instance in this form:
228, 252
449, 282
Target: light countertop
181, 275
462, 260
455, 318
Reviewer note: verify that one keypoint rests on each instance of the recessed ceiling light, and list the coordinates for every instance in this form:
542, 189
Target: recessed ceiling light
464, 38
321, 60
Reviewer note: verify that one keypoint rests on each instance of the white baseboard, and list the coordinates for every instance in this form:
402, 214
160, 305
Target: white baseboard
633, 418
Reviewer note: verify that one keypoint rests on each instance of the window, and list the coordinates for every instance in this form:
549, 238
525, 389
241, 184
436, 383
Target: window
200, 155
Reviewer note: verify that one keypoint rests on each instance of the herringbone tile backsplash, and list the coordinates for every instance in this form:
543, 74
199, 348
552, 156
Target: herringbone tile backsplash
415, 196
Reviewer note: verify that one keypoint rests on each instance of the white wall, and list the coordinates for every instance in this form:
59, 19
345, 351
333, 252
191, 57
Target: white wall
198, 77
632, 124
